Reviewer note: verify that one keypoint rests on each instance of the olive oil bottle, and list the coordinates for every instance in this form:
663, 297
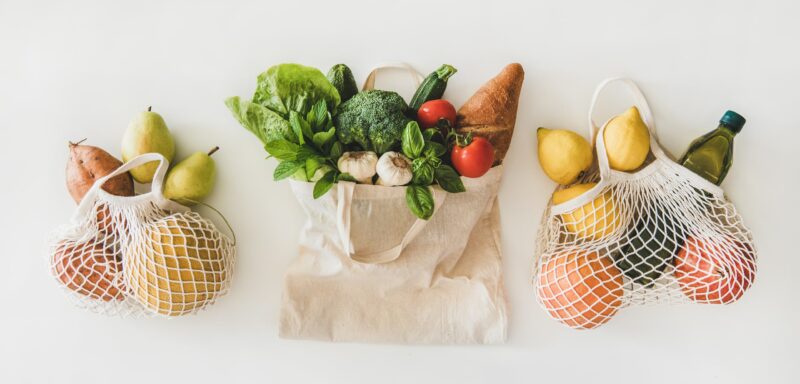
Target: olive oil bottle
711, 155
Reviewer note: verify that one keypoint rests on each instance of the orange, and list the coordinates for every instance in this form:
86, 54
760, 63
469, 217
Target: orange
582, 290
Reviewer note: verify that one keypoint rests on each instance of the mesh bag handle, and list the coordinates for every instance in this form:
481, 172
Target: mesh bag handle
369, 83
647, 115
345, 191
156, 187
640, 101
607, 175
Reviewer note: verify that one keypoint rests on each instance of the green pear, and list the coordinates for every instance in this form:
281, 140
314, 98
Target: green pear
192, 179
147, 133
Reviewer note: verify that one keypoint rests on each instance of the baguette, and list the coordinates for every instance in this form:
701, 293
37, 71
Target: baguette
492, 111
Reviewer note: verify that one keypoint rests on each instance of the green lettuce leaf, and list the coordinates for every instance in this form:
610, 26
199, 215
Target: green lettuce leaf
294, 87
265, 124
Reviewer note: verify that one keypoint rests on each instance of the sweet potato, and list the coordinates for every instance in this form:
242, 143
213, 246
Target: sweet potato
89, 269
87, 164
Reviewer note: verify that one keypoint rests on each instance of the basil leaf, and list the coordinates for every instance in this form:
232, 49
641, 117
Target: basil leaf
430, 133
286, 169
322, 138
324, 184
420, 201
412, 142
346, 177
434, 149
312, 164
448, 179
336, 150
282, 149
422, 172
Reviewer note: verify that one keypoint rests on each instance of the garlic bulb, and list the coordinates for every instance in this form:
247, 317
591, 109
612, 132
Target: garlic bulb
394, 169
360, 165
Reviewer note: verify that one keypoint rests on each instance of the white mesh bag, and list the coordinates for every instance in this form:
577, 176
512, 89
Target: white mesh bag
660, 234
141, 255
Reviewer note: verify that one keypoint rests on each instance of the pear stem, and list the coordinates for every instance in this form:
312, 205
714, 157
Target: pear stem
149, 108
71, 144
211, 152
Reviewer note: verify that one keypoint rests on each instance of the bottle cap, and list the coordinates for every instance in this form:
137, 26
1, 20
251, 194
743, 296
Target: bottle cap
733, 120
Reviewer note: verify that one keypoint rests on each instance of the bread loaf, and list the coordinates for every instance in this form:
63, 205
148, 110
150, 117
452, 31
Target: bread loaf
492, 111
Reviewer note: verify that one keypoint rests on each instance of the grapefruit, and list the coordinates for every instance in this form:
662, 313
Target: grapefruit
582, 290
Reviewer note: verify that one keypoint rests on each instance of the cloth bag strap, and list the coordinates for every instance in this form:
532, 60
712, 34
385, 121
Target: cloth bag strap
369, 83
345, 192
156, 187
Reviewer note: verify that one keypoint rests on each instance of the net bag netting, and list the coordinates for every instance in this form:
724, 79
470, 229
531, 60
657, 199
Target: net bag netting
661, 234
141, 255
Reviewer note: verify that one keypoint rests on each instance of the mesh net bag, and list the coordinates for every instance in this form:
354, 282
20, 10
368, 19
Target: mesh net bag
141, 255
661, 234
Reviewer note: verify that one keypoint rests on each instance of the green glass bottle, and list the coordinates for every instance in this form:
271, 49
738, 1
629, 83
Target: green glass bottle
711, 155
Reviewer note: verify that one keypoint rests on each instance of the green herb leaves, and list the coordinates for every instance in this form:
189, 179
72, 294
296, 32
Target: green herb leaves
412, 142
420, 201
422, 170
426, 168
448, 179
286, 169
282, 149
324, 184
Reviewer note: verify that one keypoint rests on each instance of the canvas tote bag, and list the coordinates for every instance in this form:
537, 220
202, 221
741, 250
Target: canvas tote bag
368, 270
661, 234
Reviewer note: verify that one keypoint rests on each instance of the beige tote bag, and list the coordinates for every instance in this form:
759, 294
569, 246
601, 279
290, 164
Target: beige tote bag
368, 270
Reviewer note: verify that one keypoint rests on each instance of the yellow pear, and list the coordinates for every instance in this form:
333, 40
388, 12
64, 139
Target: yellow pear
627, 141
563, 154
177, 267
147, 133
191, 180
593, 220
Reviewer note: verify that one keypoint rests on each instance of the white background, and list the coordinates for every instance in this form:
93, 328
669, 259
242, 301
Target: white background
70, 70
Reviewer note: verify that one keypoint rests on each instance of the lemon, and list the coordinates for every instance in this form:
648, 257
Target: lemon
177, 267
627, 141
563, 154
592, 221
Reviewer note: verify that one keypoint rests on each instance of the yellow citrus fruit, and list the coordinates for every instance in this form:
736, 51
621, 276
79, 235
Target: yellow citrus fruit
563, 154
627, 141
593, 220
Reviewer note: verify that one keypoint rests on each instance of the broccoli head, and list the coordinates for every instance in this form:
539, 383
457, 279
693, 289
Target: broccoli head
374, 119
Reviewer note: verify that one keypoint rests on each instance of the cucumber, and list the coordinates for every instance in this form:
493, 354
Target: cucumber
432, 87
341, 77
650, 248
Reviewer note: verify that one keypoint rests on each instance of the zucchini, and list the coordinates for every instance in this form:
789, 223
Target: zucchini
341, 77
432, 87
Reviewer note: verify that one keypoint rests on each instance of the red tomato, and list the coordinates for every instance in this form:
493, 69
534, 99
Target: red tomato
431, 111
474, 159
713, 273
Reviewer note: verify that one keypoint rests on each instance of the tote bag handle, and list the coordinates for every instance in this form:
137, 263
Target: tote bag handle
345, 191
416, 77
